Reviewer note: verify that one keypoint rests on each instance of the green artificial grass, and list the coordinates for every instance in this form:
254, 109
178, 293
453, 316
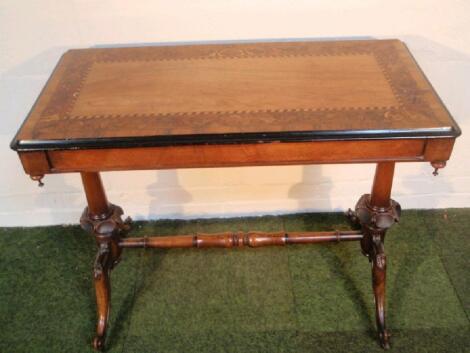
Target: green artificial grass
299, 298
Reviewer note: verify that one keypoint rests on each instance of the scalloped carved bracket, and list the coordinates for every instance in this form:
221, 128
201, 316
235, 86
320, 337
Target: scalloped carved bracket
110, 225
107, 230
376, 218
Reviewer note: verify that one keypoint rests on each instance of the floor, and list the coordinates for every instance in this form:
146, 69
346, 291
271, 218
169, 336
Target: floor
299, 298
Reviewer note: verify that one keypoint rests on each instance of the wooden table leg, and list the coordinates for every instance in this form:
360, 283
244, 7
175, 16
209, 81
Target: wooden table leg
376, 213
104, 221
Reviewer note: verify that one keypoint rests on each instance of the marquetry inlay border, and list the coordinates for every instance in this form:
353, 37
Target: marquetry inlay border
412, 109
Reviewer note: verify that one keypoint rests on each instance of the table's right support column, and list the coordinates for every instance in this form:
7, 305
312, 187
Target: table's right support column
376, 212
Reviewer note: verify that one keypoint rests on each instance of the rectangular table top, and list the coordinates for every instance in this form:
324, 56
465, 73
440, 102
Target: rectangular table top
234, 93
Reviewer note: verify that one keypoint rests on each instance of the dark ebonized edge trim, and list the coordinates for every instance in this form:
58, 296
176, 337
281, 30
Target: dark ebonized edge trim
233, 138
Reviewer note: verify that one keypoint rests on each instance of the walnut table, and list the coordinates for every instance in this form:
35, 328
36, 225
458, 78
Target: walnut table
197, 106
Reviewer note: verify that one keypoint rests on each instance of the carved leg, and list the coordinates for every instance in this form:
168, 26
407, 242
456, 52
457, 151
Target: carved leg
102, 270
376, 213
103, 220
379, 272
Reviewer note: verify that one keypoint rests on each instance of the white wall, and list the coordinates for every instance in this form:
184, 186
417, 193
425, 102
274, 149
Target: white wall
33, 34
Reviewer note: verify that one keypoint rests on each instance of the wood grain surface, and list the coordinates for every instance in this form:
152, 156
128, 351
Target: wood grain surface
167, 93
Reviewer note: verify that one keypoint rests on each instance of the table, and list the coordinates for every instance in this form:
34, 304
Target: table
236, 104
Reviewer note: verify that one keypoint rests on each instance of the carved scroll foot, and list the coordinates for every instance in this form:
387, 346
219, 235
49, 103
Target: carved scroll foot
107, 230
374, 222
379, 270
98, 343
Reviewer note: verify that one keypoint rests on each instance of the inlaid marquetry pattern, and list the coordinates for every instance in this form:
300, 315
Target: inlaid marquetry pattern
69, 89
408, 100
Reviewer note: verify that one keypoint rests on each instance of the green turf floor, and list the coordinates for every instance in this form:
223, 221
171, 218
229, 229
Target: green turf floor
299, 298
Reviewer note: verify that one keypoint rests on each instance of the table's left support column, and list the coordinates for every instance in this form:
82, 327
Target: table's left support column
376, 213
104, 221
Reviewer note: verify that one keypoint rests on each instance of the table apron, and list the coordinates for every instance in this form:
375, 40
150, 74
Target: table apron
232, 155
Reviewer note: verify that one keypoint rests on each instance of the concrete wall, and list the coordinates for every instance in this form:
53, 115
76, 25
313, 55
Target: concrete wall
33, 35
